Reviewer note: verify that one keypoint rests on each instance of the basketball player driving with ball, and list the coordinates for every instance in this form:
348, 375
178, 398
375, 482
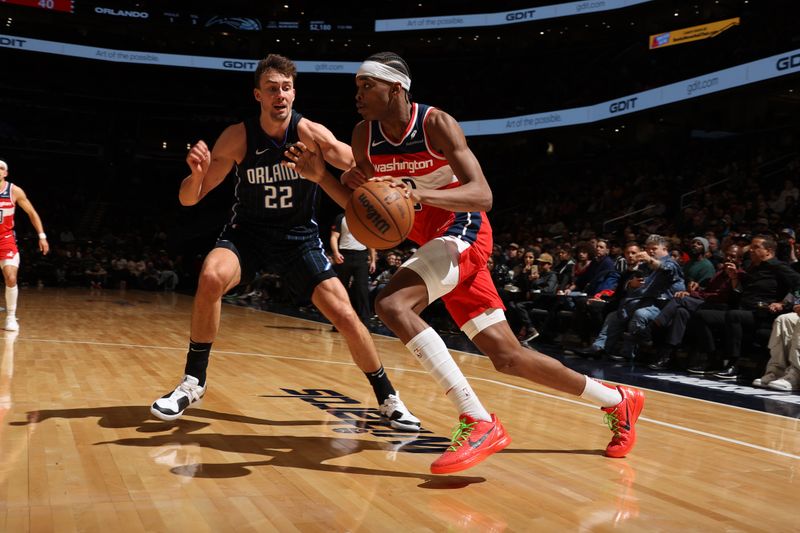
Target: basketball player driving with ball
423, 151
272, 225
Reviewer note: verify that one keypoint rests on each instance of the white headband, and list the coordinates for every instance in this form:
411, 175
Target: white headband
4, 165
373, 69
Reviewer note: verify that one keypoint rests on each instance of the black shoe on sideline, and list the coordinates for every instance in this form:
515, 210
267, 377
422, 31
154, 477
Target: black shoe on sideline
663, 363
590, 351
664, 359
619, 358
729, 373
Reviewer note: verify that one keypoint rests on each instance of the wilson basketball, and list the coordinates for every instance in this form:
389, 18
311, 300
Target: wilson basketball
379, 216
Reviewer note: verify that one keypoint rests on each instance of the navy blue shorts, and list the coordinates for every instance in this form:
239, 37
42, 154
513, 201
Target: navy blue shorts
301, 263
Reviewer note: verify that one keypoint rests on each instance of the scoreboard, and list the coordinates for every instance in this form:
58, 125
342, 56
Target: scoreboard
67, 6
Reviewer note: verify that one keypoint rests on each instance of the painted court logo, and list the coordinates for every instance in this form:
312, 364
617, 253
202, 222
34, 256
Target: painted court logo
354, 418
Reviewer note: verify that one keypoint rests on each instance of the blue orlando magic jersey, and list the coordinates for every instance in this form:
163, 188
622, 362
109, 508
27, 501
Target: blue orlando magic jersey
270, 196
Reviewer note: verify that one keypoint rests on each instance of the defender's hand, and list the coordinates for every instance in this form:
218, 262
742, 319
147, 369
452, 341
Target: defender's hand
199, 158
305, 161
354, 178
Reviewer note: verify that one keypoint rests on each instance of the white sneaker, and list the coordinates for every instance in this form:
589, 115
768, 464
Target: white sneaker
172, 405
765, 380
12, 324
398, 414
783, 385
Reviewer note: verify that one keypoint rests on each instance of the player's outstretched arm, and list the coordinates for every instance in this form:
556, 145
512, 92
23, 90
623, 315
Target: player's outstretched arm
26, 205
356, 176
306, 160
209, 167
334, 151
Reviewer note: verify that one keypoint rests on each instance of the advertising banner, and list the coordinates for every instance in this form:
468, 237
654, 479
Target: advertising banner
695, 33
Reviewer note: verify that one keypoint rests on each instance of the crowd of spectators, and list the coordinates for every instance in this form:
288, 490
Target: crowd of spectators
111, 262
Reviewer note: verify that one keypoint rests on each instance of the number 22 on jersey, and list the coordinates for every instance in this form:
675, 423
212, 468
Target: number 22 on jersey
277, 197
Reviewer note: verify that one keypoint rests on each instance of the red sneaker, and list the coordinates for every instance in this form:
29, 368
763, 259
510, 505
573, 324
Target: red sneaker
472, 442
621, 419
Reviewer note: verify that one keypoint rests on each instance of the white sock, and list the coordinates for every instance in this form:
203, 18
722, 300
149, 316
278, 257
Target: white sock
432, 353
598, 393
11, 301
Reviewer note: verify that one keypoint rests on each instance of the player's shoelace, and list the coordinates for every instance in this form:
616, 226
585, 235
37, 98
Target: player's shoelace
460, 434
188, 390
392, 403
612, 421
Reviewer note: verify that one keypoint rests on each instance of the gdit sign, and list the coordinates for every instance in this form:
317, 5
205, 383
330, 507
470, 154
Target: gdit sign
623, 105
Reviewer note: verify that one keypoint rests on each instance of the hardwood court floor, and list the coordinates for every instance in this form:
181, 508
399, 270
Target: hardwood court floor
288, 440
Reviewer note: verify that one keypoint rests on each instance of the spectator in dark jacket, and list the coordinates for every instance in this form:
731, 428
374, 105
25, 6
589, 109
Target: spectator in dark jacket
541, 282
641, 303
674, 317
758, 297
564, 267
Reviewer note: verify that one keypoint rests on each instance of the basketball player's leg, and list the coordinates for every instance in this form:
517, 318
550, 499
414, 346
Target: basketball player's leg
10, 269
430, 273
501, 346
331, 298
492, 335
220, 273
399, 304
10, 274
312, 272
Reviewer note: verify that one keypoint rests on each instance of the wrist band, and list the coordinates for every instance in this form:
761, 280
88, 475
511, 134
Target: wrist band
42, 236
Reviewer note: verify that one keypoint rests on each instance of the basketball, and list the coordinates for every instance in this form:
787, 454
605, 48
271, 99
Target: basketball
379, 216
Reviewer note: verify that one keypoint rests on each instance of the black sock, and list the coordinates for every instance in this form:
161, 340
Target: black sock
197, 360
380, 384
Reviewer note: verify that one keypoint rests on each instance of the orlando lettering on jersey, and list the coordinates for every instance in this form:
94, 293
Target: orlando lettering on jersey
269, 195
273, 174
